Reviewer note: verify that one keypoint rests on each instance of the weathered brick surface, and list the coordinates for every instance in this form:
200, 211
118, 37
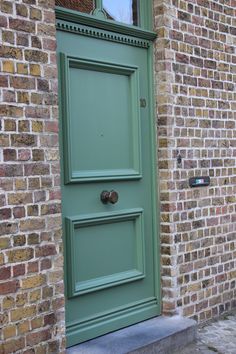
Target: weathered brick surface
195, 66
195, 77
31, 269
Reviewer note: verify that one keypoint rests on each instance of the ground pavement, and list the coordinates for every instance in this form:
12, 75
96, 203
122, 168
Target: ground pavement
215, 337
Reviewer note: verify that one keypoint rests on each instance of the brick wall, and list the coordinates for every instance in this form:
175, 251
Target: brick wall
195, 74
31, 264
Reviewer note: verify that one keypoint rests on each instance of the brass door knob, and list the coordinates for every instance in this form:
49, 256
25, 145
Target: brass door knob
109, 197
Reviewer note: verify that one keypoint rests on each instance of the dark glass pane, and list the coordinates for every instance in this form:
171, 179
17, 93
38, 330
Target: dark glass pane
122, 10
86, 6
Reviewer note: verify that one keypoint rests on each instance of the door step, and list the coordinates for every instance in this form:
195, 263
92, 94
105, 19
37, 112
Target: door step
160, 335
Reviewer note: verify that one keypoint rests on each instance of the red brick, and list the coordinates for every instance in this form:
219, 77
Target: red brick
21, 25
38, 337
18, 270
9, 287
44, 251
5, 273
5, 213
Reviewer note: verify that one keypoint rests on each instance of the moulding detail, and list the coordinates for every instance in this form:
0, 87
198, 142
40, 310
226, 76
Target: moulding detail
101, 34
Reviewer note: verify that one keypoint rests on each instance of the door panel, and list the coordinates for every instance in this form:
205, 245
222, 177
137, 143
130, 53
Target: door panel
99, 116
122, 233
110, 255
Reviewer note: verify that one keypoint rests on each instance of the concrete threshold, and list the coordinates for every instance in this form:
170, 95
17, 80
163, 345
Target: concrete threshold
160, 335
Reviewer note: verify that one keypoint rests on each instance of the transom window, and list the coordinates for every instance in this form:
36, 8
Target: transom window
125, 11
122, 10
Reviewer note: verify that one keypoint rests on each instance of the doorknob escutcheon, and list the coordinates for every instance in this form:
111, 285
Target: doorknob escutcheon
109, 197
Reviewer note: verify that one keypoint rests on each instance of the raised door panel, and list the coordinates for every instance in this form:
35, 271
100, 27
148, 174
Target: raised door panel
105, 250
101, 120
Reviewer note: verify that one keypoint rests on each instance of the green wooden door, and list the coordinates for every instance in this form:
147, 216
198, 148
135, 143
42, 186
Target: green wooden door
106, 144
